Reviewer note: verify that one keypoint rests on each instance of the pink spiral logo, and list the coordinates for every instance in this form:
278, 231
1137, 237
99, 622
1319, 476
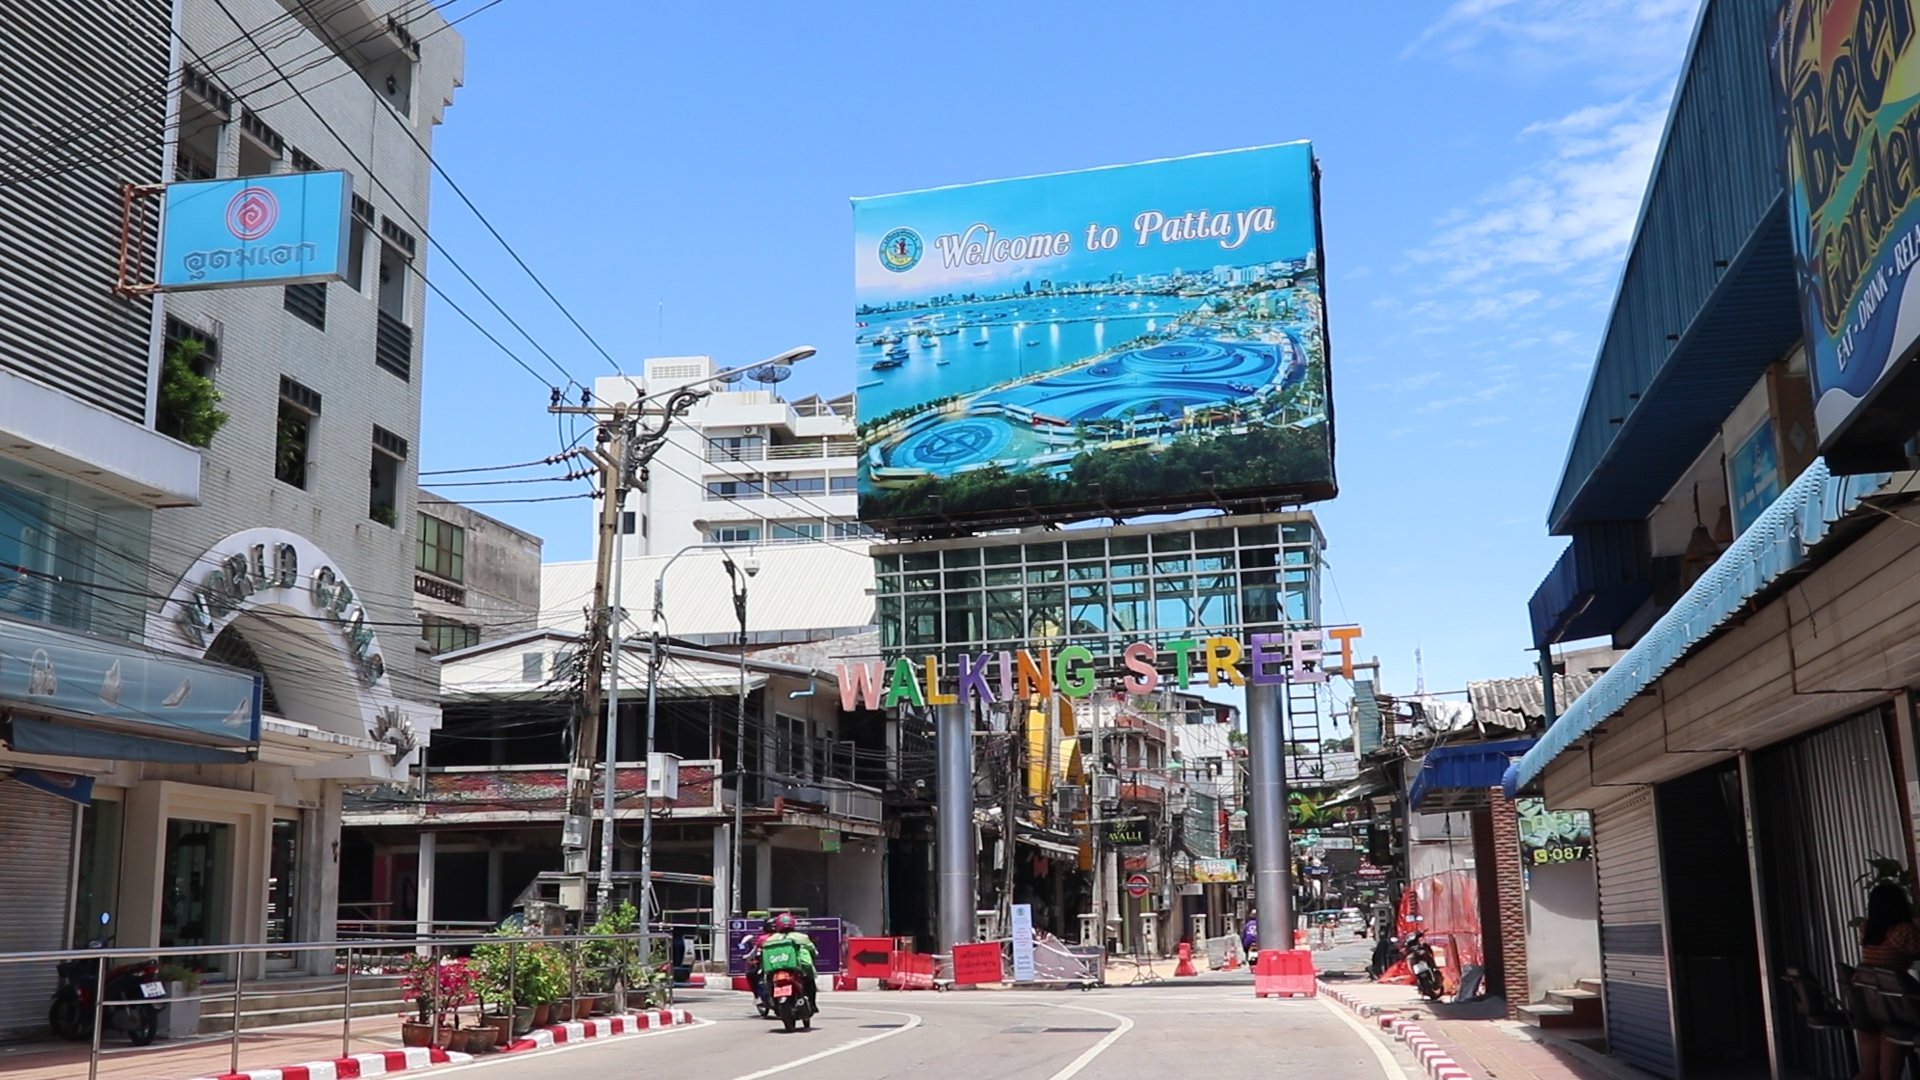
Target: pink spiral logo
252, 213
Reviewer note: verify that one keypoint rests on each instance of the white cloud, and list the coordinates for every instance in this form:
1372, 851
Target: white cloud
1619, 43
1409, 383
1572, 213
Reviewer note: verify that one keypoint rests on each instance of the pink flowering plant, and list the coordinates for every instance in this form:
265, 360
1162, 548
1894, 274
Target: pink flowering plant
445, 984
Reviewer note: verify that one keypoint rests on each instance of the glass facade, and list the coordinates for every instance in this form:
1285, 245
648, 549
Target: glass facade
1101, 588
74, 558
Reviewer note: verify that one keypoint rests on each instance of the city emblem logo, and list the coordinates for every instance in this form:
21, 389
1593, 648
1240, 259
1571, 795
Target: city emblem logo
900, 250
252, 213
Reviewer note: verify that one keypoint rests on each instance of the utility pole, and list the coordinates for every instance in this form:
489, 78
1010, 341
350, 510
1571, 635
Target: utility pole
623, 446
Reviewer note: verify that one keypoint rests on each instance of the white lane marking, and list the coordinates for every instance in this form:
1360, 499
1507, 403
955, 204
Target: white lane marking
1073, 1067
913, 1021
561, 1048
1381, 1052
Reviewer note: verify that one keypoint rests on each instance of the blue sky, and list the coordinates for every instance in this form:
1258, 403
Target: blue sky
681, 180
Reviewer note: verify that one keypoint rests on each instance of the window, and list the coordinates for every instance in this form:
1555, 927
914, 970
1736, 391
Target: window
736, 448
533, 666
798, 485
387, 62
293, 434
393, 280
797, 530
843, 485
733, 489
203, 119
383, 485
734, 534
261, 147
446, 635
443, 549
362, 227
300, 161
791, 747
630, 520
850, 530
308, 303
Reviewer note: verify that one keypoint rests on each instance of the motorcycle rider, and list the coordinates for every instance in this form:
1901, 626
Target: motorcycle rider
785, 931
754, 975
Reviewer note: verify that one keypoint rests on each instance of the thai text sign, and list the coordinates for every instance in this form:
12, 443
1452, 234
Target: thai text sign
824, 932
1847, 74
255, 230
45, 670
1302, 656
1057, 346
1216, 871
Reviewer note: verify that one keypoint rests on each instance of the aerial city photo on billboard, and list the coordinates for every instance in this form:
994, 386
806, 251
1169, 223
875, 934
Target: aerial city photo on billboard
1140, 337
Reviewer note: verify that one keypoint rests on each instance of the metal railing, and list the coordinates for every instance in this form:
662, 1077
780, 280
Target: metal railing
719, 453
417, 953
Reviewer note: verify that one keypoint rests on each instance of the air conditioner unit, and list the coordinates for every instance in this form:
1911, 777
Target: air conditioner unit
663, 776
753, 431
1069, 801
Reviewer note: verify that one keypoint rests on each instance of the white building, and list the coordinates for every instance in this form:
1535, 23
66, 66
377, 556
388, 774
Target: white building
743, 466
274, 556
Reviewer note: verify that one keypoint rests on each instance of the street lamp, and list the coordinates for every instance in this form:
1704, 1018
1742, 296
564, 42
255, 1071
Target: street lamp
738, 574
656, 635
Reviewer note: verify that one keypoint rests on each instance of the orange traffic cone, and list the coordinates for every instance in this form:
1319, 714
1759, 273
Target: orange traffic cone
1186, 961
1233, 959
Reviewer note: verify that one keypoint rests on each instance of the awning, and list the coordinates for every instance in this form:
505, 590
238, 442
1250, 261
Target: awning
288, 742
1453, 778
34, 736
68, 786
1051, 847
1780, 540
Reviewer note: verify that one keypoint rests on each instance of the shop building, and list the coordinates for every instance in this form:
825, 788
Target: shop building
195, 630
475, 578
1753, 749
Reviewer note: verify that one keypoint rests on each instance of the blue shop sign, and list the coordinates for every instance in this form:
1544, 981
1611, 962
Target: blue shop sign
255, 230
48, 671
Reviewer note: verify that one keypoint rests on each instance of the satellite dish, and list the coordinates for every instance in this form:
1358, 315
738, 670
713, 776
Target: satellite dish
732, 377
771, 373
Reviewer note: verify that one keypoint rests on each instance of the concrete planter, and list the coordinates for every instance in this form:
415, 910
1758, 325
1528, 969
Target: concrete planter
180, 1016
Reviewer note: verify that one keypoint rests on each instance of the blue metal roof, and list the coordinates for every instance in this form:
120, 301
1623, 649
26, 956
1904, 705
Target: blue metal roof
1782, 539
1599, 580
1706, 298
1475, 767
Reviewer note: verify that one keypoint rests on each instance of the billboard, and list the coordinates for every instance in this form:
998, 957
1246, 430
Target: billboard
255, 230
1140, 337
1847, 81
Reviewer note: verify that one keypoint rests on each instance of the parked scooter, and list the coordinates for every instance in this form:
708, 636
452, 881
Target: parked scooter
72, 1011
1426, 973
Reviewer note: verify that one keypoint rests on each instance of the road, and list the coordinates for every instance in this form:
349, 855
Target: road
1138, 1033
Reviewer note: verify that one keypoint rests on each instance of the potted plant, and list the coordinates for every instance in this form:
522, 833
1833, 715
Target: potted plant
613, 965
547, 983
437, 990
180, 1016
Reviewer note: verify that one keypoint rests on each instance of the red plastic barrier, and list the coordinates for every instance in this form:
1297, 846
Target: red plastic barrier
1283, 973
976, 964
870, 957
911, 971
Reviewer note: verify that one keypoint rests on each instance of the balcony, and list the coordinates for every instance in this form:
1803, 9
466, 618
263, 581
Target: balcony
528, 793
835, 798
718, 453
393, 346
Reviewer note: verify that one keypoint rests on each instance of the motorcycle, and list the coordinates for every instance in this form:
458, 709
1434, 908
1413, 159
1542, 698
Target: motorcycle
780, 969
1426, 973
127, 986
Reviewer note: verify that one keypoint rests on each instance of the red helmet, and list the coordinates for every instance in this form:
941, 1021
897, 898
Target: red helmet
783, 923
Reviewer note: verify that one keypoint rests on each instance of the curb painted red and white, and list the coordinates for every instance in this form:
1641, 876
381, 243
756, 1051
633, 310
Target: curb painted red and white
602, 1028
1437, 1062
381, 1063
412, 1059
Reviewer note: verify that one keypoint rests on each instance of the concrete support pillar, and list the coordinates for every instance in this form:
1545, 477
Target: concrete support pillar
1267, 816
953, 741
320, 850
423, 885
722, 887
496, 884
1510, 881
763, 875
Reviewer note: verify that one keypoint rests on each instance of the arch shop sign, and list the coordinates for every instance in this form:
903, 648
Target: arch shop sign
259, 572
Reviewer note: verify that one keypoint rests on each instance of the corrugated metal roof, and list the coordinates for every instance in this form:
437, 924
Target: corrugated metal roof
1713, 204
1518, 704
1782, 538
801, 592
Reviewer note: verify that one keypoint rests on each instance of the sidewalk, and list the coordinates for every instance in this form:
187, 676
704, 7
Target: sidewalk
1474, 1041
207, 1056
